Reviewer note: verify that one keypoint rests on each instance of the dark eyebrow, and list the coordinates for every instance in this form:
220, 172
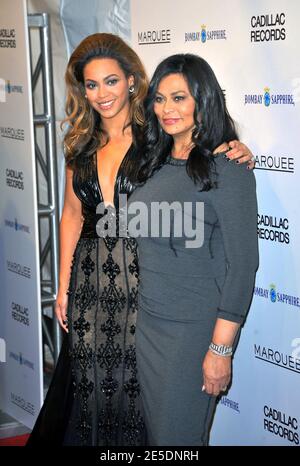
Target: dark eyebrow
106, 77
111, 76
172, 93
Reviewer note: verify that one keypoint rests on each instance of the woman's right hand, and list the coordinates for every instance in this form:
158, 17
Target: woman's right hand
216, 373
61, 306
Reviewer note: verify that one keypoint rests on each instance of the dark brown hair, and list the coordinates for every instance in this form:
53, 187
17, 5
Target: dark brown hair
82, 137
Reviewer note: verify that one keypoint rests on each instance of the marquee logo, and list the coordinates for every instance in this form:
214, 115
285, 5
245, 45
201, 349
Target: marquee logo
19, 269
7, 38
275, 163
17, 226
267, 99
158, 36
277, 358
204, 35
275, 296
270, 27
12, 133
22, 403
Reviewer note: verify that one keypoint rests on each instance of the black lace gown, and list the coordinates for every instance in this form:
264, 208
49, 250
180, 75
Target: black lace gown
105, 406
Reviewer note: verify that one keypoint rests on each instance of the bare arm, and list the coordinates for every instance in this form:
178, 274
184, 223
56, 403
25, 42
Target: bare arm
217, 369
70, 228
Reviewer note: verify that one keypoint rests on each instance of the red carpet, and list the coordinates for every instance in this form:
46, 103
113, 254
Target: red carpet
18, 441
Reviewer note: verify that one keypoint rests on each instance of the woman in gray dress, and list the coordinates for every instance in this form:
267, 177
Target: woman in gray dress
196, 281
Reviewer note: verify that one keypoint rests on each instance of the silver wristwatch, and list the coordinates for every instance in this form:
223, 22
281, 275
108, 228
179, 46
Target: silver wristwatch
220, 350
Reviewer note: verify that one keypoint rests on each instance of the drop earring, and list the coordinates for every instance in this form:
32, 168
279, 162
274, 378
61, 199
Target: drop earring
131, 89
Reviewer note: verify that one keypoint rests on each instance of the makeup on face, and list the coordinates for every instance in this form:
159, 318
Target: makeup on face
106, 87
174, 106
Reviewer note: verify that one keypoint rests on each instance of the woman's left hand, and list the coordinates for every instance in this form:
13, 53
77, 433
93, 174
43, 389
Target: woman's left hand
216, 373
239, 151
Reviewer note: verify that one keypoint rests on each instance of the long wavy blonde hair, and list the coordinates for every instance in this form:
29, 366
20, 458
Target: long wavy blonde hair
82, 137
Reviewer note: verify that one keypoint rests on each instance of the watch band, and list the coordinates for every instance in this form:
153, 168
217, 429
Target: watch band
221, 350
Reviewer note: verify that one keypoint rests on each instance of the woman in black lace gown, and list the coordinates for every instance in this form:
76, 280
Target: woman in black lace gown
101, 313
96, 303
94, 397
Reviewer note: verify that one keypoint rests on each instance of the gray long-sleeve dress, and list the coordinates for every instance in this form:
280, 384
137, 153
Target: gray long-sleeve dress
183, 290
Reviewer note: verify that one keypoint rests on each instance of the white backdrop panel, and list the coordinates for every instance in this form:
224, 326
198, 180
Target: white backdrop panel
21, 392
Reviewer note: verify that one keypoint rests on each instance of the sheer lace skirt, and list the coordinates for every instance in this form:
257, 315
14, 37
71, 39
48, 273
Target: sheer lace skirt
101, 318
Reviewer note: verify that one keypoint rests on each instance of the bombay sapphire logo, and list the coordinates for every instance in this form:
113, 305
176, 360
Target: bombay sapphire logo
267, 97
10, 88
203, 33
273, 293
17, 226
6, 87
19, 358
230, 403
281, 297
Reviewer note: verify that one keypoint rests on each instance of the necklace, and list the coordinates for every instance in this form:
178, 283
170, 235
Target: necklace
184, 154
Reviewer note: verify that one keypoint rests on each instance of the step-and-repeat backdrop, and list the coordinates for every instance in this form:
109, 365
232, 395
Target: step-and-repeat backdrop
21, 383
253, 48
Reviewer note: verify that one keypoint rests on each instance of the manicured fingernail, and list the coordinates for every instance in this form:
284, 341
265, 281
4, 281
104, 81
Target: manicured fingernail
203, 388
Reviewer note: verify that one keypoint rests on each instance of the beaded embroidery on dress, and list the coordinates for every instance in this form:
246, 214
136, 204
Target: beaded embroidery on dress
101, 318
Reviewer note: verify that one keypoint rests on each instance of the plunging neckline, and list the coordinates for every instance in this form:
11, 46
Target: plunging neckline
116, 178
